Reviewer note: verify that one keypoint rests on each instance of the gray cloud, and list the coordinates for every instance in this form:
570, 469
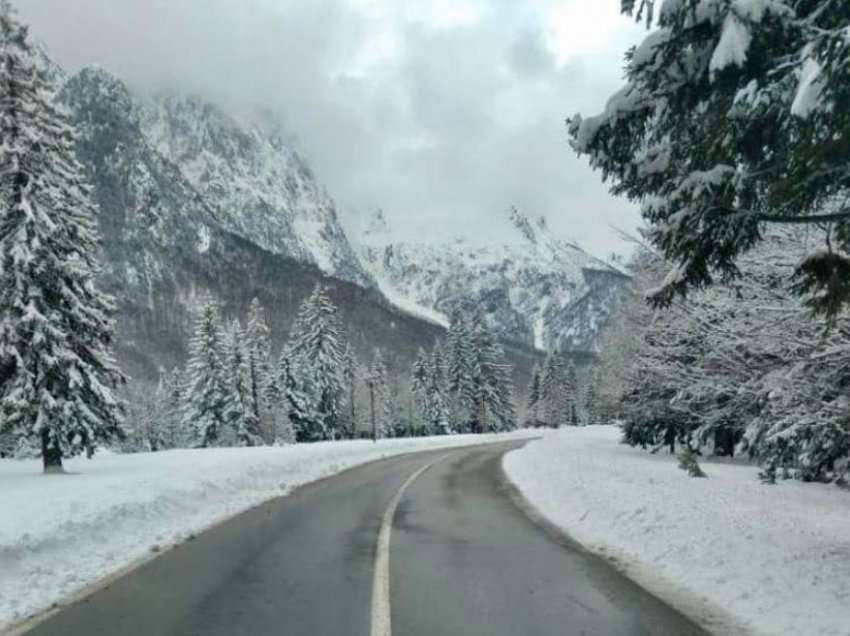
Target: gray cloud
444, 127
530, 56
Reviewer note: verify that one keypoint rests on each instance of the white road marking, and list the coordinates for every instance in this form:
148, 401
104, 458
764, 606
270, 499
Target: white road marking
381, 619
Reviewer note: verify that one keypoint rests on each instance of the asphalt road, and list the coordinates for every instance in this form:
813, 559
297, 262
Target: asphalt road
463, 559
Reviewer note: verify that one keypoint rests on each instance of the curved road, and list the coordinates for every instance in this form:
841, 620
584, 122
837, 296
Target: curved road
463, 558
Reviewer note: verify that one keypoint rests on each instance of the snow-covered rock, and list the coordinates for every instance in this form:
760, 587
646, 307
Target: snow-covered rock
536, 289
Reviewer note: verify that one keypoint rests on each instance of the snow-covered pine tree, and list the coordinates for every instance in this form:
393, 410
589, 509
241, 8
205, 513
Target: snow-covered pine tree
399, 409
438, 414
142, 430
551, 391
734, 369
244, 425
504, 407
437, 410
459, 370
57, 374
570, 394
438, 367
169, 392
491, 381
654, 358
207, 396
259, 365
420, 385
272, 400
350, 377
534, 396
316, 343
592, 406
153, 421
734, 117
290, 397
379, 380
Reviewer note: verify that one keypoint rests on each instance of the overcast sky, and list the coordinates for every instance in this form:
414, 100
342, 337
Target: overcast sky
442, 112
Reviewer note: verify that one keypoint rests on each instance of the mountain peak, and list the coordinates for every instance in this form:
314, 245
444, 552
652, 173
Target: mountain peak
263, 189
533, 291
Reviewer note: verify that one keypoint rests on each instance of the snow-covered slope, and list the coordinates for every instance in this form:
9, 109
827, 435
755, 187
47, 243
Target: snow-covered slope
537, 289
261, 187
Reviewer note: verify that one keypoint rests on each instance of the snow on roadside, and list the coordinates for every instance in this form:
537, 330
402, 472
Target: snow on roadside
775, 558
59, 534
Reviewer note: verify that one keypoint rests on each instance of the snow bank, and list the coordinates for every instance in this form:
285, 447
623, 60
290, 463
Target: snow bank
775, 558
61, 533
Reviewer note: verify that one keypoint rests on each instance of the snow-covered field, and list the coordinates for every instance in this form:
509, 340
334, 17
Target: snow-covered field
59, 534
738, 555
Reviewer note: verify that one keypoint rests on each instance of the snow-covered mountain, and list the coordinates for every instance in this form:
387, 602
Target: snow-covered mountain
262, 189
195, 205
537, 289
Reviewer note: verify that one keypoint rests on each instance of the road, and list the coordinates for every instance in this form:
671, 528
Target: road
459, 556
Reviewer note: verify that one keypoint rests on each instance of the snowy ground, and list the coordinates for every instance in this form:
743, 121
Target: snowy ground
738, 555
59, 534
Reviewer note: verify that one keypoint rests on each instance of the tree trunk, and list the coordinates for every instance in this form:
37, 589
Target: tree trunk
372, 403
351, 398
482, 416
51, 454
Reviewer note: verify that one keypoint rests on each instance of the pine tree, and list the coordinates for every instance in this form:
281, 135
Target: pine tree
420, 385
718, 374
258, 361
534, 397
459, 371
399, 416
552, 396
437, 410
382, 398
208, 400
316, 343
491, 383
153, 421
592, 404
570, 394
350, 376
244, 425
733, 118
438, 368
57, 374
142, 424
169, 392
290, 395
